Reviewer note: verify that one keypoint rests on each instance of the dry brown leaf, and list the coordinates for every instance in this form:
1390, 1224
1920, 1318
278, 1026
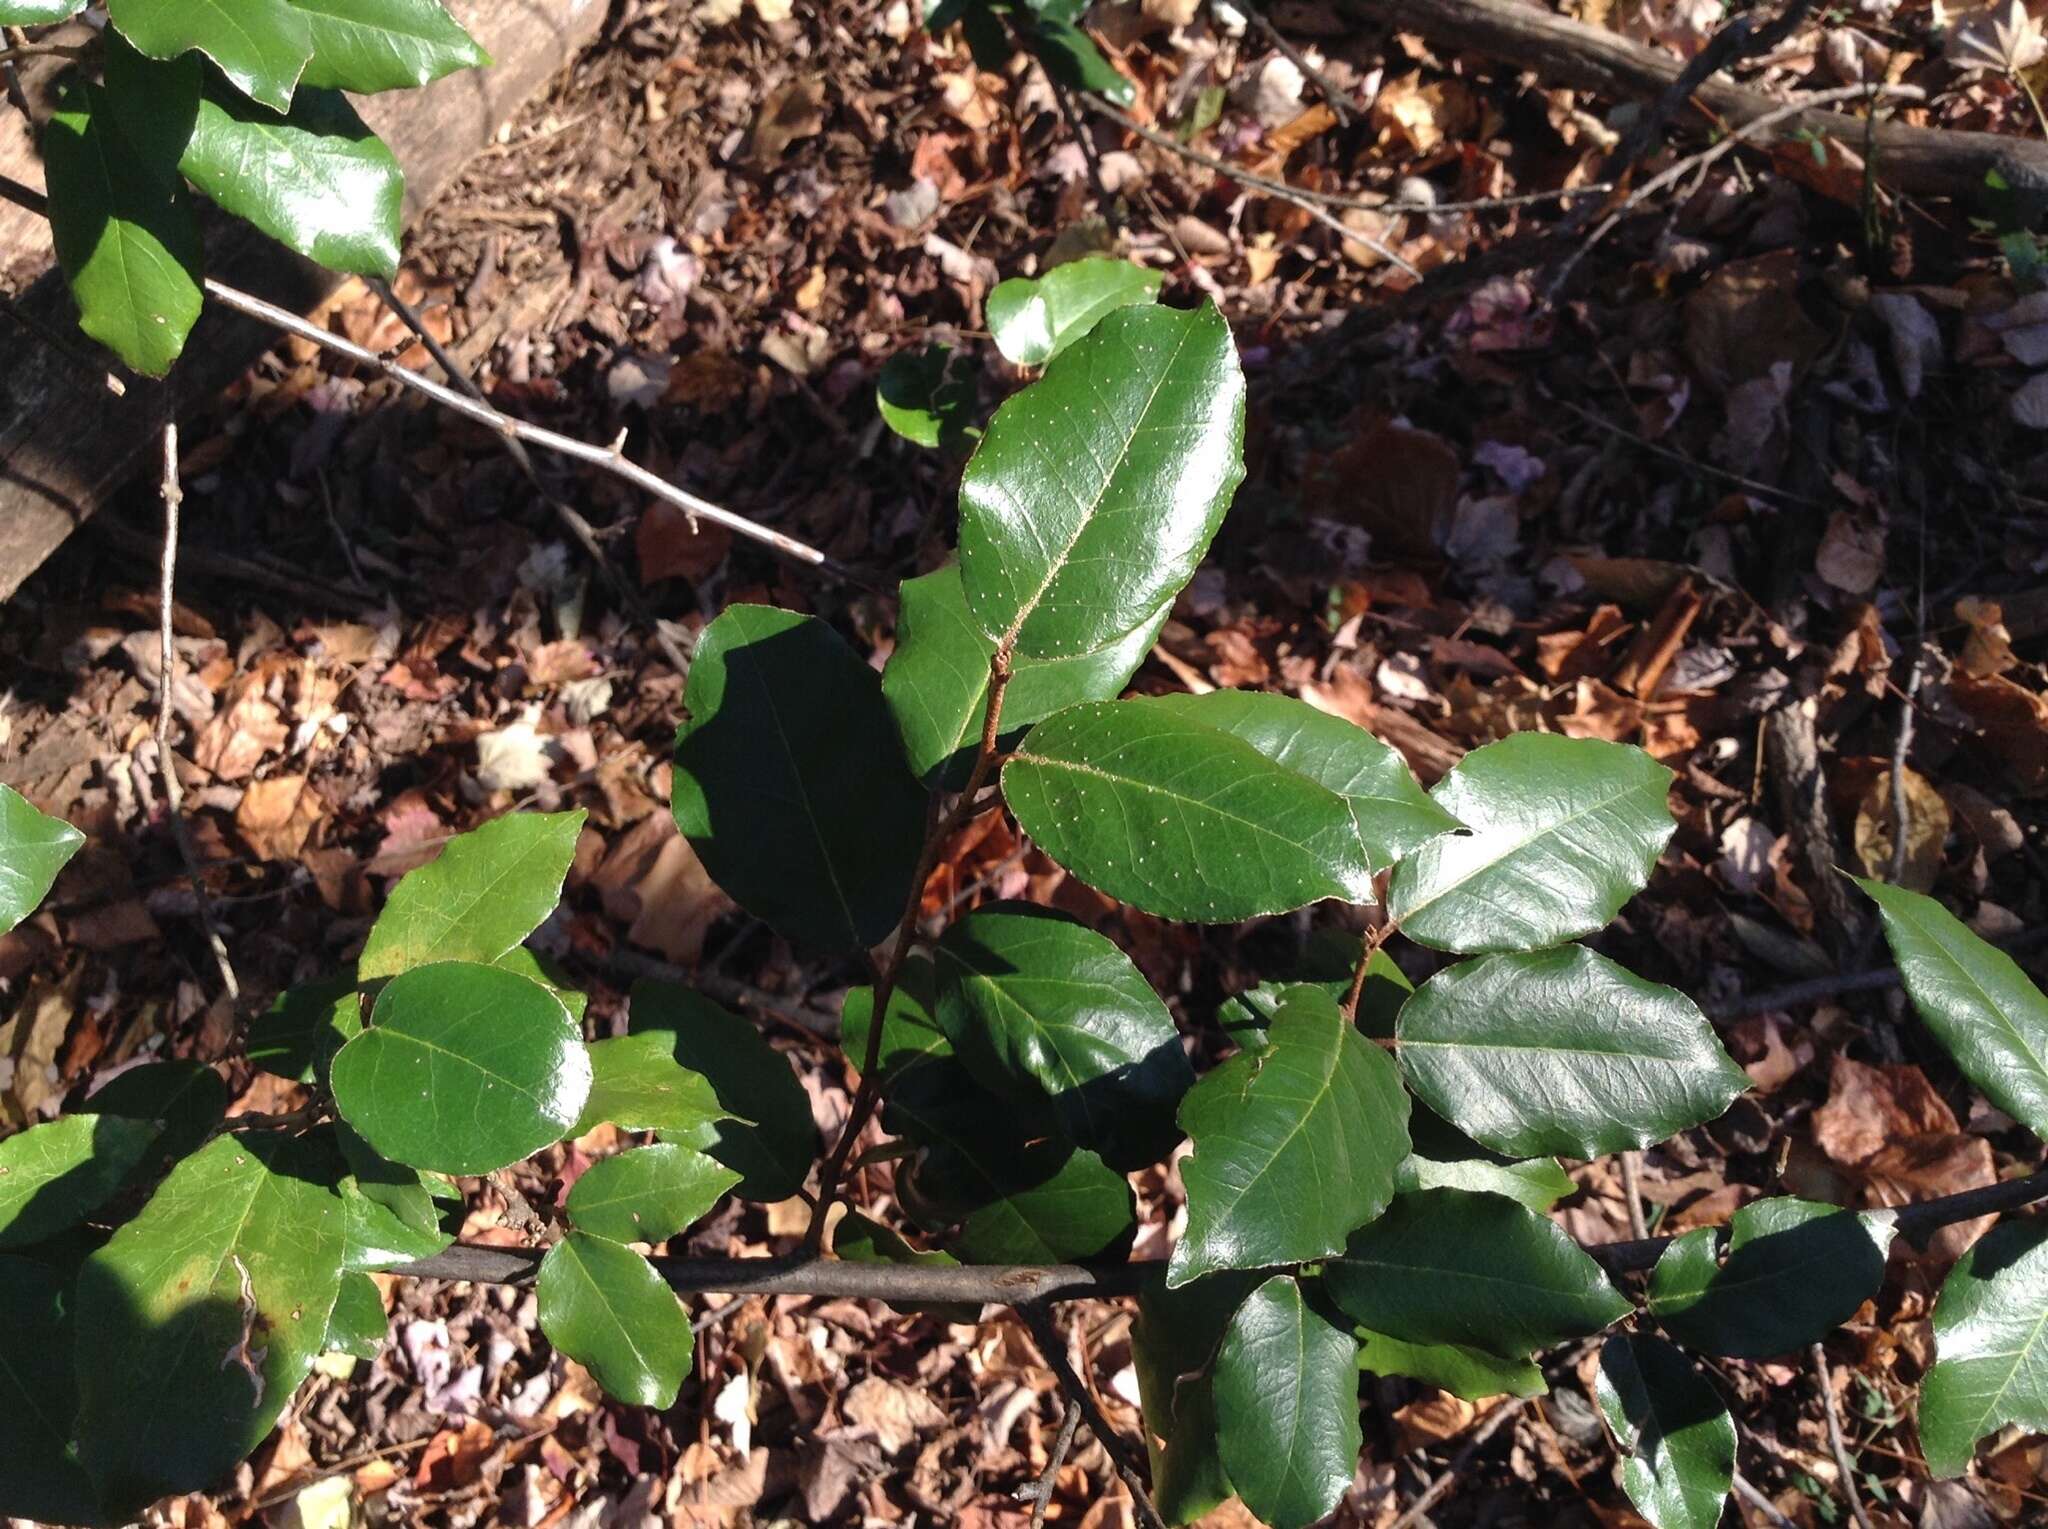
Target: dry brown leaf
671, 545
241, 734
1851, 555
1988, 648
277, 816
794, 111
1868, 1108
1747, 319
2013, 721
1432, 1420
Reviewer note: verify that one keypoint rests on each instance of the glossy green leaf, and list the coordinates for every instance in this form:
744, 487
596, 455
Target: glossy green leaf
1990, 1346
1245, 1016
1454, 1367
358, 1326
857, 1240
1562, 1051
197, 1322
1096, 490
1390, 813
1538, 1183
54, 1175
1795, 1272
1173, 1349
125, 234
927, 397
605, 1307
40, 1477
464, 1069
1033, 319
549, 974
647, 1194
185, 1099
298, 1035
391, 1215
910, 1035
1448, 1266
638, 1085
1563, 832
1678, 1437
771, 1138
1177, 819
937, 678
372, 45
33, 849
1040, 1008
1975, 999
1294, 1145
1286, 1387
789, 782
486, 891
262, 46
1070, 56
38, 13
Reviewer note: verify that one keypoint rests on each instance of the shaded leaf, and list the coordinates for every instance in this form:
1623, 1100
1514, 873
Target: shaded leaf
1990, 1346
372, 45
1173, 1346
537, 968
637, 1084
358, 1326
298, 1035
1034, 319
927, 397
1286, 1388
392, 1217
910, 1035
262, 46
1071, 57
54, 1175
1679, 1439
605, 1307
647, 1194
1471, 1373
33, 849
40, 1477
186, 1099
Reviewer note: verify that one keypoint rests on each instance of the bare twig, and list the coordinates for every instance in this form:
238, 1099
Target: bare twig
1064, 98
166, 684
1040, 1491
1374, 938
1340, 105
1434, 1493
1038, 1318
1836, 1443
16, 51
1632, 1192
1818, 989
1761, 1503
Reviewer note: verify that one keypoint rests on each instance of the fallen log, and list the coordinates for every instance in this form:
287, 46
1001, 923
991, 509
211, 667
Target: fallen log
67, 439
1920, 161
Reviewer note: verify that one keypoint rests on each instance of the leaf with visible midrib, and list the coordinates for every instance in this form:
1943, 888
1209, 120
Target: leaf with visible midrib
1990, 1346
1679, 1438
1173, 1347
606, 1308
637, 1084
1033, 319
54, 1175
262, 46
1286, 1388
1294, 1145
33, 849
372, 45
647, 1194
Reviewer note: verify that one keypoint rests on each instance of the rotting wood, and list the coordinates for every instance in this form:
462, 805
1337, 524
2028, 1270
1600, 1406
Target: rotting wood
67, 440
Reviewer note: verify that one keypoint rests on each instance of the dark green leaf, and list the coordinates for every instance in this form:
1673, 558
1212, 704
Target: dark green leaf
910, 1035
33, 849
1173, 1345
298, 1035
1390, 813
1245, 1015
262, 46
1294, 1145
1071, 57
1034, 319
358, 1326
40, 1477
1177, 819
125, 235
538, 968
857, 1240
464, 1069
197, 1322
1447, 1266
1795, 1272
771, 1139
54, 1175
1096, 490
391, 1214
1468, 1372
1563, 832
187, 1099
605, 1307
927, 397
1990, 1346
1975, 999
936, 681
372, 45
1039, 1008
486, 891
789, 783
648, 1194
1562, 1051
1286, 1388
1538, 1183
1679, 1438
638, 1085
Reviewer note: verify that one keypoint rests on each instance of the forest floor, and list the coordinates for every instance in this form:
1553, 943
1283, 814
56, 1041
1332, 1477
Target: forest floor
1762, 456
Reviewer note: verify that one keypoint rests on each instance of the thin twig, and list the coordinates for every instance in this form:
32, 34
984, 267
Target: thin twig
1836, 1443
1818, 989
1761, 1503
1340, 106
1041, 1490
1038, 1318
166, 684
1374, 938
1632, 1192
15, 52
15, 38
1078, 129
1434, 1493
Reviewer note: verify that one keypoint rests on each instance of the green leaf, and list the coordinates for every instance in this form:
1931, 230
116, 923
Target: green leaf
927, 397
936, 681
358, 1326
187, 1099
789, 783
1538, 1183
391, 1215
485, 893
1975, 999
1286, 1388
262, 46
1033, 320
538, 968
1679, 1438
1796, 1270
1990, 1346
648, 1194
770, 1138
199, 1319
1173, 1346
1040, 1008
638, 1085
40, 1477
605, 1307
1390, 813
125, 235
1562, 1051
54, 1175
464, 1069
1294, 1145
372, 45
33, 849
1563, 832
1179, 820
1245, 1016
1447, 1266
857, 1240
910, 1036
1454, 1367
298, 1035
38, 13
1097, 489
1071, 57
